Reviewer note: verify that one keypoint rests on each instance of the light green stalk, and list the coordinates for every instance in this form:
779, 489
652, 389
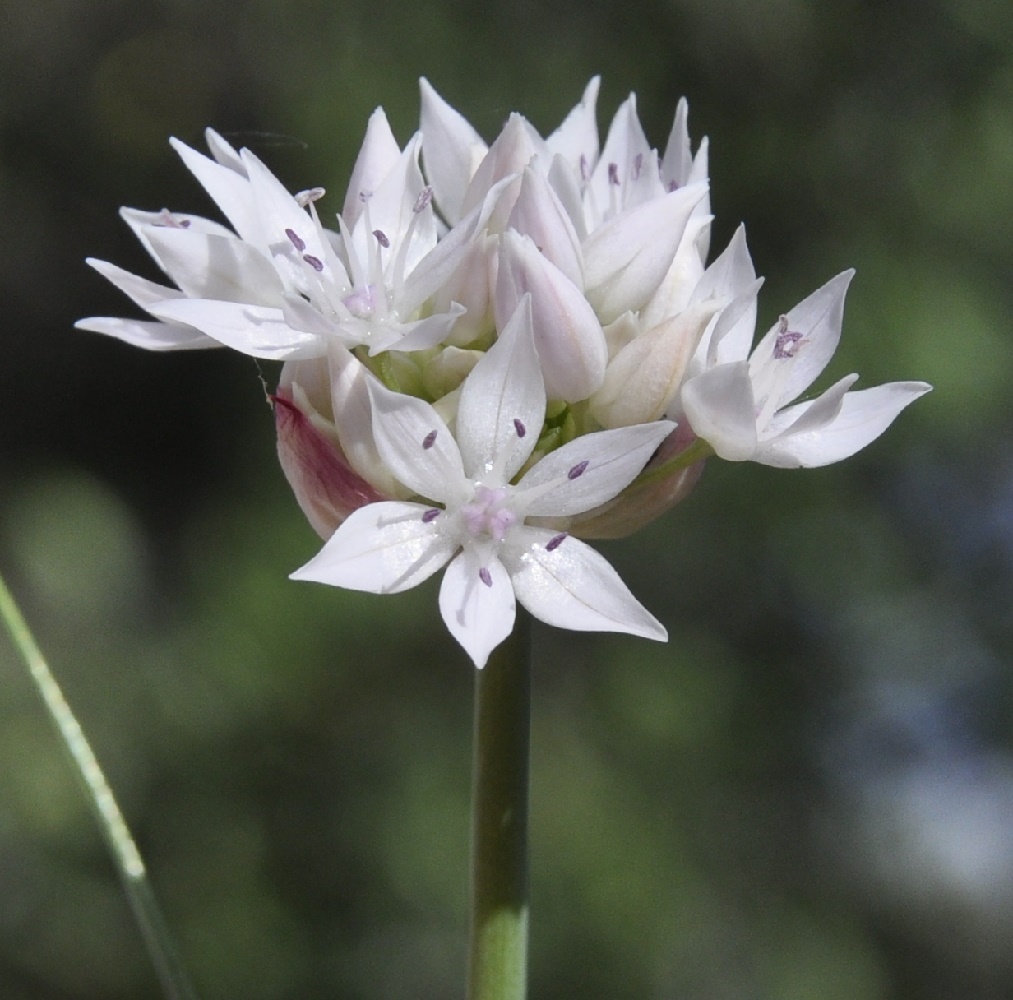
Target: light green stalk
114, 829
499, 865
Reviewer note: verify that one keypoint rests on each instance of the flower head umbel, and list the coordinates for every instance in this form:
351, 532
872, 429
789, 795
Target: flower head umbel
495, 348
473, 517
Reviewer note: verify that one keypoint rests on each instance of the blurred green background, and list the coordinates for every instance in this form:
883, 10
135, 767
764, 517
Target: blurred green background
807, 794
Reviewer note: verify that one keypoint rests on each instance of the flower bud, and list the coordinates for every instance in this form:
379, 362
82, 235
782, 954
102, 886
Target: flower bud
325, 439
470, 285
325, 486
509, 154
539, 213
451, 149
626, 258
644, 376
568, 336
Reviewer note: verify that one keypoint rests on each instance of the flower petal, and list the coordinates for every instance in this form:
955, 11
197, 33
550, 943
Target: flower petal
509, 154
451, 150
622, 163
589, 470
140, 290
479, 612
224, 152
206, 266
231, 191
570, 341
719, 406
255, 330
539, 214
502, 403
676, 290
730, 276
569, 585
861, 418
419, 335
415, 444
678, 158
278, 213
576, 140
141, 223
625, 259
394, 210
644, 376
348, 382
382, 548
442, 264
144, 333
817, 319
376, 159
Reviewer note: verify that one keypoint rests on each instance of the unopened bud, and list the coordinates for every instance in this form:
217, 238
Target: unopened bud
642, 379
568, 337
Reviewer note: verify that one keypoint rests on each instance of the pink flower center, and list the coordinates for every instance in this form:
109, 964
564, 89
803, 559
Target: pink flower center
488, 514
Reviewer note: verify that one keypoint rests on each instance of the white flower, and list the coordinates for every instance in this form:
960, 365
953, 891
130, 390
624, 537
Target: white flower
473, 518
741, 407
282, 286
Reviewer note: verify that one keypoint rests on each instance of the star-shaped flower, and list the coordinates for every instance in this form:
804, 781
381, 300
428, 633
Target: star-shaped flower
282, 286
741, 407
472, 518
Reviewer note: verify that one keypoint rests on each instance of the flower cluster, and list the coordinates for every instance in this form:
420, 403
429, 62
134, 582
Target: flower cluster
496, 349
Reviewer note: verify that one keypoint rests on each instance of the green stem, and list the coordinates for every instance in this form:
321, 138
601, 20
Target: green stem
499, 864
114, 828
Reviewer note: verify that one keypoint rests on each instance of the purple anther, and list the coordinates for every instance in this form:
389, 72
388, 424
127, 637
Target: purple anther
485, 576
638, 164
614, 173
297, 241
672, 186
519, 427
554, 542
423, 200
787, 342
381, 238
364, 196
578, 470
431, 515
315, 262
583, 167
786, 345
429, 440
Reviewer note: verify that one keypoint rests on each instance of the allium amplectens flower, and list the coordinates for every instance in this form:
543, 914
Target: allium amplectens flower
474, 517
495, 348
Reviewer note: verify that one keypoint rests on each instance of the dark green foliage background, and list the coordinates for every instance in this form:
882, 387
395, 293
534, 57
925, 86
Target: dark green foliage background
805, 795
